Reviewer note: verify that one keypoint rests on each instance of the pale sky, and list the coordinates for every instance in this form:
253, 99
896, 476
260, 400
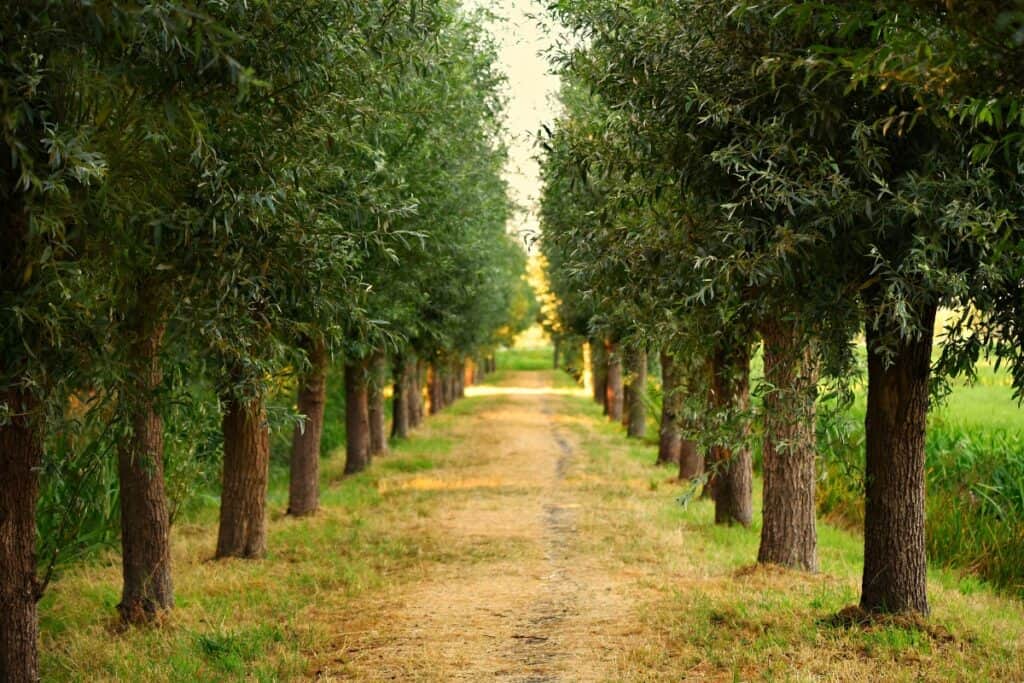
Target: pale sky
532, 95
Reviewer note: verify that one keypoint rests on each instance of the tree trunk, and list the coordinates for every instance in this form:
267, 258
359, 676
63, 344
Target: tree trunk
670, 436
691, 462
416, 394
555, 360
788, 534
357, 417
145, 522
435, 392
734, 468
895, 563
21, 454
243, 507
636, 414
375, 404
613, 391
401, 400
304, 485
461, 369
599, 370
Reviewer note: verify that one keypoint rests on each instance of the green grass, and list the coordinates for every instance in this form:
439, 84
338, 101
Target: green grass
701, 611
975, 478
739, 621
524, 359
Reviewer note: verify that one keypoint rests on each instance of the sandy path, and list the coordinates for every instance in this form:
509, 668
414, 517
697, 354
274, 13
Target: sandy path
520, 600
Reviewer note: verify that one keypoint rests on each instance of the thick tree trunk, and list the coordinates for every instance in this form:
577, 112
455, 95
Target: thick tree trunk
401, 401
670, 435
895, 563
788, 534
243, 506
21, 454
613, 390
636, 413
375, 404
357, 417
733, 481
145, 522
304, 485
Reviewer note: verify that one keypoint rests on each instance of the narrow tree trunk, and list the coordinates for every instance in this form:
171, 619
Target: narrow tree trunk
416, 394
895, 563
637, 409
447, 389
357, 417
734, 468
613, 392
401, 403
599, 370
691, 462
555, 360
375, 404
460, 378
21, 454
788, 533
627, 398
304, 485
435, 391
670, 436
145, 522
243, 507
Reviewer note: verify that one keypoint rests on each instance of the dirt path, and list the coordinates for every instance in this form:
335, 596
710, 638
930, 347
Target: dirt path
523, 599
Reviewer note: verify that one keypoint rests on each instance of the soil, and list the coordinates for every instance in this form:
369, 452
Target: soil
524, 599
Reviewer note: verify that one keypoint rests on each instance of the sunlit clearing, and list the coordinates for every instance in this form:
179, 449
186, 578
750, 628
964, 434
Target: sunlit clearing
490, 390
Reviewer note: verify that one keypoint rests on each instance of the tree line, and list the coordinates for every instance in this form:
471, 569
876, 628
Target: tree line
231, 195
801, 176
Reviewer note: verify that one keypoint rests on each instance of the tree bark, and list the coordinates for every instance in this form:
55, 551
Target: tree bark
416, 394
788, 533
357, 417
599, 370
461, 368
145, 522
21, 454
304, 485
243, 507
636, 414
691, 462
375, 404
670, 436
401, 401
613, 391
435, 390
733, 480
895, 561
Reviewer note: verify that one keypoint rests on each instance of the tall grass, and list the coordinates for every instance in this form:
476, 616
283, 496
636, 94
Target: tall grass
975, 486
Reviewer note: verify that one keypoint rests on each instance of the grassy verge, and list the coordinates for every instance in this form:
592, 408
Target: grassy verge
716, 616
261, 620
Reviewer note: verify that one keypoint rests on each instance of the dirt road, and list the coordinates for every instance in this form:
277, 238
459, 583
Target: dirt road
525, 599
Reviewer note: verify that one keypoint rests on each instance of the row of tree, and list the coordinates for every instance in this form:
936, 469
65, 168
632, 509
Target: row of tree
232, 193
792, 174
